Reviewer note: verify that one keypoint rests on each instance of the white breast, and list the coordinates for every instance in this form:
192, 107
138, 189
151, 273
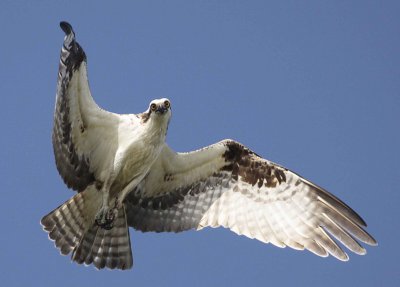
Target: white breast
139, 146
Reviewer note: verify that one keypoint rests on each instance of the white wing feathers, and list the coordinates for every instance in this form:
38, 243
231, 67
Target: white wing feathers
224, 184
85, 141
228, 185
84, 136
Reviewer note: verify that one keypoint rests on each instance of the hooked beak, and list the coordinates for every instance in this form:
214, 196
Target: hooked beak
161, 109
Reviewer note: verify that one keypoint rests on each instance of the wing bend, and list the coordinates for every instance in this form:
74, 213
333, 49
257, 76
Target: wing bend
228, 185
82, 131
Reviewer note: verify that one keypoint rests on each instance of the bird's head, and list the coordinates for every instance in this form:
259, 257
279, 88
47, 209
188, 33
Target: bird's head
159, 111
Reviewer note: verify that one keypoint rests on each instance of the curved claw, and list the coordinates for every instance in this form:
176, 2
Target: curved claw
105, 218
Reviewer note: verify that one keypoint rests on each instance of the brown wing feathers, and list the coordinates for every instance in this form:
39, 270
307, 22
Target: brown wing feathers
250, 167
225, 184
73, 168
268, 184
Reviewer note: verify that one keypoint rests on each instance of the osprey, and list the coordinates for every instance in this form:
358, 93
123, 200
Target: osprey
126, 176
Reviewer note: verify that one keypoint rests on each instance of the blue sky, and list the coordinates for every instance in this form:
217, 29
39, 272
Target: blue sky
313, 86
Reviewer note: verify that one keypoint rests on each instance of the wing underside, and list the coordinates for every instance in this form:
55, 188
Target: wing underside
228, 185
82, 132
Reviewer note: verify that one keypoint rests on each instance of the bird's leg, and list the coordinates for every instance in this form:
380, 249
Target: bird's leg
105, 216
121, 196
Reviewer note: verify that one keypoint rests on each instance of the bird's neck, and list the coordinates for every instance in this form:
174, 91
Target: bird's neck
157, 130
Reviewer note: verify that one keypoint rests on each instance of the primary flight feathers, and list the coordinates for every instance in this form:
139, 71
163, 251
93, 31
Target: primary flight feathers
126, 175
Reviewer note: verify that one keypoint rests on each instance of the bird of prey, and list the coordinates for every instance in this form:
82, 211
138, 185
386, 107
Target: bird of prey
126, 176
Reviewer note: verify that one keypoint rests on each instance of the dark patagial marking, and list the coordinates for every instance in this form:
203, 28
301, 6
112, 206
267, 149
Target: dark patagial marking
250, 167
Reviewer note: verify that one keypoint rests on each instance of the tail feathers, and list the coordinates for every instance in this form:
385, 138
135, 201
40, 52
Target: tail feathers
72, 228
106, 248
66, 224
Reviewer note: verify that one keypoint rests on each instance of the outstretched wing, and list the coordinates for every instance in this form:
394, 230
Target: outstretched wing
83, 133
228, 185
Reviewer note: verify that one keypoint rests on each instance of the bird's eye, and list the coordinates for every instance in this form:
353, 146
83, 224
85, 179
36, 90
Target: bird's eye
153, 107
167, 104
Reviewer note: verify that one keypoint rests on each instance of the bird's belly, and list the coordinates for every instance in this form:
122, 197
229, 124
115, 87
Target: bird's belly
133, 165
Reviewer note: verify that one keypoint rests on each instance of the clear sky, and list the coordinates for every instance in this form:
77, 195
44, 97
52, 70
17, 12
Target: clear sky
312, 85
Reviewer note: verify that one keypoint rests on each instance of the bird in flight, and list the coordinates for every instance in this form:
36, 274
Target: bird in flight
126, 176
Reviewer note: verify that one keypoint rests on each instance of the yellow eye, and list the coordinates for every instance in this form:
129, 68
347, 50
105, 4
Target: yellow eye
167, 104
153, 107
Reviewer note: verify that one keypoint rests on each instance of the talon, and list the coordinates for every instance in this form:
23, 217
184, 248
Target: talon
111, 214
105, 217
108, 226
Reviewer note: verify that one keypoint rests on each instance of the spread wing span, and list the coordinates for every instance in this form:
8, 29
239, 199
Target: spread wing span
83, 133
228, 185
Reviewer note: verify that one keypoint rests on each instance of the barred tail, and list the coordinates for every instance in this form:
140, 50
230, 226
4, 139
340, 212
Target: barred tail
106, 248
73, 229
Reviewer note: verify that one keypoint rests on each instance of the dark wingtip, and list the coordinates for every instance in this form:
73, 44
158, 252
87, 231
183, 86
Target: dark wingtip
66, 27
